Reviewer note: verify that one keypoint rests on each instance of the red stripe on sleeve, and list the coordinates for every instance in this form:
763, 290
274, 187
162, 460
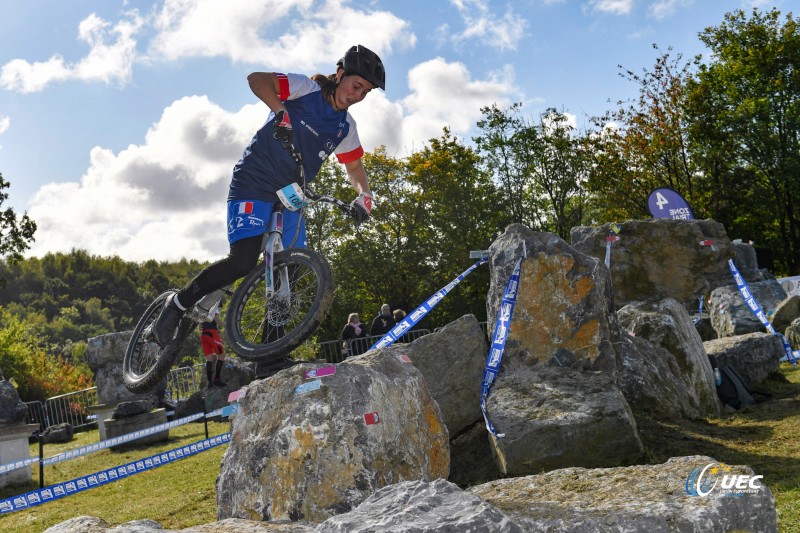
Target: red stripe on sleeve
352, 155
283, 83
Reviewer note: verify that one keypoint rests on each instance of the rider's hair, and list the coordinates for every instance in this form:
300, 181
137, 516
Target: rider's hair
327, 84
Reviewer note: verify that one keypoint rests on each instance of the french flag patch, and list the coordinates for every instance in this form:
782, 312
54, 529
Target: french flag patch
245, 208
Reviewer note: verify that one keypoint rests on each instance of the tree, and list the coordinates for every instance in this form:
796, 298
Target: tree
745, 108
642, 145
15, 234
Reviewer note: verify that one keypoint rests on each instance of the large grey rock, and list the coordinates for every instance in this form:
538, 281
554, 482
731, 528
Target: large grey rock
12, 409
555, 398
662, 258
792, 333
58, 433
785, 312
731, 316
554, 418
80, 524
452, 360
435, 506
754, 355
667, 324
105, 354
650, 498
105, 349
564, 315
314, 454
650, 380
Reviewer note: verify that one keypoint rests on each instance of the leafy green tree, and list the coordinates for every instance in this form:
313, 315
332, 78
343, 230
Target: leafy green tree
745, 109
15, 233
539, 168
642, 145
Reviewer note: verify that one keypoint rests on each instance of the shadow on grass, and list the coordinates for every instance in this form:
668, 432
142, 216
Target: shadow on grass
763, 436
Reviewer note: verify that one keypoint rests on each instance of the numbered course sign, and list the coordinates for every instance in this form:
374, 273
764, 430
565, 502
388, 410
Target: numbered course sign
668, 203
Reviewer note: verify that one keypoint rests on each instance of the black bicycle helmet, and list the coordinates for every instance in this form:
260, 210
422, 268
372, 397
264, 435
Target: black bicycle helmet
362, 61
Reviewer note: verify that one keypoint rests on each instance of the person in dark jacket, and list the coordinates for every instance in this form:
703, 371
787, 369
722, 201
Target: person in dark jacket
383, 322
354, 336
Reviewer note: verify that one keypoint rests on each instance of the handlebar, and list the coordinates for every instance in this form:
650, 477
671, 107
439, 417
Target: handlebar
346, 208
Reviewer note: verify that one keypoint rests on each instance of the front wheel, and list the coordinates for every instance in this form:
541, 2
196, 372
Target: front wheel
258, 330
146, 363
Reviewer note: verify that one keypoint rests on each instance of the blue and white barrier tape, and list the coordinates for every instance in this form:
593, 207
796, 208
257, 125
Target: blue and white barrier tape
501, 328
751, 302
67, 488
108, 443
418, 313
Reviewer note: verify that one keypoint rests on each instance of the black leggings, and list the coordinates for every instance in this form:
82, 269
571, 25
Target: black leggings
242, 258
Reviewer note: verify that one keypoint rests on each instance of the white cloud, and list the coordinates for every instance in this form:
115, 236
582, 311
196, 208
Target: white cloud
503, 33
162, 199
442, 94
110, 58
5, 123
165, 198
666, 8
307, 33
614, 7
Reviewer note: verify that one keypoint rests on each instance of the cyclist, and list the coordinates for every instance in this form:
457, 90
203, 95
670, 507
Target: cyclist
311, 115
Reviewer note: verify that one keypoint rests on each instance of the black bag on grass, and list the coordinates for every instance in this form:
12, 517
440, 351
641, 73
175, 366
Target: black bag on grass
733, 390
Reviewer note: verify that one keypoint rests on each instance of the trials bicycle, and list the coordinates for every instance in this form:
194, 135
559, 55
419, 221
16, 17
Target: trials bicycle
275, 308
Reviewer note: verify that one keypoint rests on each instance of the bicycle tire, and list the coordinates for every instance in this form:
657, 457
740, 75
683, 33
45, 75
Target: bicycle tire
146, 363
261, 333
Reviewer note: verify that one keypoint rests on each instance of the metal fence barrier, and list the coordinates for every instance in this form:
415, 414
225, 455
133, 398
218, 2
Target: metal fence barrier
184, 381
36, 414
338, 350
72, 408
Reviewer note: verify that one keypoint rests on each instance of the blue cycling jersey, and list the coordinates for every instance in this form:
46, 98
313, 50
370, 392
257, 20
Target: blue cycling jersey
318, 131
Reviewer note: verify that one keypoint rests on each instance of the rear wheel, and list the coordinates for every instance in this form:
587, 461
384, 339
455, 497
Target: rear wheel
146, 362
263, 331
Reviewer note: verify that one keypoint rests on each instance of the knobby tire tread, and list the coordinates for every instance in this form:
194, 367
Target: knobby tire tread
317, 312
147, 381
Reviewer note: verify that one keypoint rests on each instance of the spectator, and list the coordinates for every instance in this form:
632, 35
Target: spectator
354, 336
383, 322
398, 315
214, 352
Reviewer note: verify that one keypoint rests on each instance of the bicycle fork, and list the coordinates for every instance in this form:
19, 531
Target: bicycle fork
274, 245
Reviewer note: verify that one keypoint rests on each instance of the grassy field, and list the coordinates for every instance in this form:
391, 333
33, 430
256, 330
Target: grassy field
178, 495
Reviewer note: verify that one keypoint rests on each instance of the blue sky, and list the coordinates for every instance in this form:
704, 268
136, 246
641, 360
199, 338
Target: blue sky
120, 120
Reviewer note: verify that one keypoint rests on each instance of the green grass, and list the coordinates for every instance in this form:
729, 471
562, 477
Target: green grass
179, 495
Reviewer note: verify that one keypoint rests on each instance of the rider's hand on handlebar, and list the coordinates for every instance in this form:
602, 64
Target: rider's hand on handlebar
283, 128
361, 207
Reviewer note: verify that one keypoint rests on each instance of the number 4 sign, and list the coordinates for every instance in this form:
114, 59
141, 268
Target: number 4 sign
668, 203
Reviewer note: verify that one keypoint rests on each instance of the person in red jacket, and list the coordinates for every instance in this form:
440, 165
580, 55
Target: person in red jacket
214, 352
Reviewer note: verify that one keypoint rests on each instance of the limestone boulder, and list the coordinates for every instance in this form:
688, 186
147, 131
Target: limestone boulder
104, 355
649, 378
667, 324
564, 314
553, 418
422, 506
792, 333
663, 258
754, 355
452, 360
786, 312
308, 449
731, 316
12, 409
635, 498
